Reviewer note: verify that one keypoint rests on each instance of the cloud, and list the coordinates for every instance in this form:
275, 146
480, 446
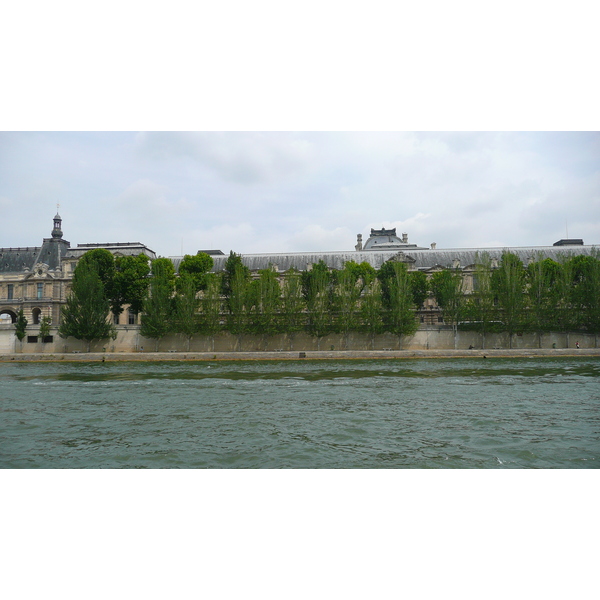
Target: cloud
316, 238
242, 158
286, 191
149, 200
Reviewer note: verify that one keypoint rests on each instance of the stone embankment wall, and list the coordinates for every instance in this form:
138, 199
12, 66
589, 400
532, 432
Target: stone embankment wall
438, 338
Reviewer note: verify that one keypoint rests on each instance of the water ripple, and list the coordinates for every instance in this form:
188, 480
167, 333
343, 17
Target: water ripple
504, 413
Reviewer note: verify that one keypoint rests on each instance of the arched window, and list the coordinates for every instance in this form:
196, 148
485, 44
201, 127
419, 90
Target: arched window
35, 314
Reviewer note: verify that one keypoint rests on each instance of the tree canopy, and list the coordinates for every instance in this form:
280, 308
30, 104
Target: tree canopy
85, 313
196, 267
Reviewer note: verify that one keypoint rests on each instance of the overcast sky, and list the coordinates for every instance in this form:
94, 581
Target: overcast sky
274, 95
287, 192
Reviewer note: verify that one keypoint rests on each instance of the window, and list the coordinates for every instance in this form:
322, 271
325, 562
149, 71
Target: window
40, 291
131, 318
10, 291
32, 339
440, 319
116, 319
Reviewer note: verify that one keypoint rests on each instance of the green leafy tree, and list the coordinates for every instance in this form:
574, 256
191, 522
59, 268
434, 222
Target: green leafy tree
233, 265
157, 320
362, 274
185, 308
267, 303
420, 287
129, 283
385, 275
347, 290
585, 292
293, 317
21, 325
542, 297
197, 268
163, 267
480, 310
398, 299
103, 262
210, 314
447, 287
239, 300
44, 328
371, 310
564, 318
85, 313
317, 289
508, 284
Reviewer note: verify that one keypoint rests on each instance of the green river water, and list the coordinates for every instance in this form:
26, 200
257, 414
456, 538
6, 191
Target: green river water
441, 413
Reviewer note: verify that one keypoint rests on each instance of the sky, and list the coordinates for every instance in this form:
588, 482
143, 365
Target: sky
254, 192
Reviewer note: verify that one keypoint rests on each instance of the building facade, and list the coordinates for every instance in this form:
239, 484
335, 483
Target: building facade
38, 279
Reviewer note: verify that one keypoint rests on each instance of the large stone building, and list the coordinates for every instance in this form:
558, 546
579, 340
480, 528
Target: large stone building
37, 279
384, 245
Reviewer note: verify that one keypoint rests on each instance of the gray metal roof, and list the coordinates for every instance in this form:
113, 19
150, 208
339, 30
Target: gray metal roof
423, 259
124, 248
15, 260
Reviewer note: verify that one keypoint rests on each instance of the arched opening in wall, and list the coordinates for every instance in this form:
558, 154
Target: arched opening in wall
7, 316
35, 313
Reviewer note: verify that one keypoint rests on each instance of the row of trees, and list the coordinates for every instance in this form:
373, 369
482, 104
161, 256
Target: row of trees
318, 301
21, 326
103, 285
544, 296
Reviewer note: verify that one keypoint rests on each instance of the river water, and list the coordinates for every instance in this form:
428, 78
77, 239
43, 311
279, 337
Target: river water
441, 413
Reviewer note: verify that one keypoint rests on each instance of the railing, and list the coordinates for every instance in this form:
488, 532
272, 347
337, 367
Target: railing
42, 300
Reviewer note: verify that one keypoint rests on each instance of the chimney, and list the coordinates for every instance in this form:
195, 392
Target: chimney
433, 244
405, 238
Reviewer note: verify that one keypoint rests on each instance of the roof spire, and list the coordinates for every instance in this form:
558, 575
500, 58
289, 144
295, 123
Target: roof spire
57, 231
